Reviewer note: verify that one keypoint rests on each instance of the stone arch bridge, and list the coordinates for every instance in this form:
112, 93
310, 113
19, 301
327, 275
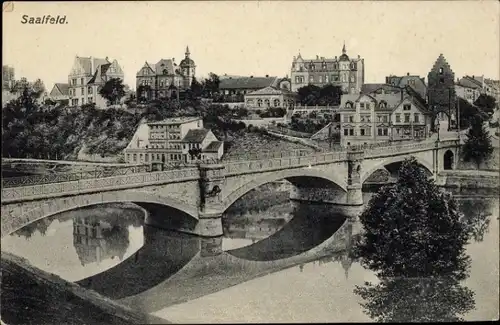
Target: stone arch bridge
205, 192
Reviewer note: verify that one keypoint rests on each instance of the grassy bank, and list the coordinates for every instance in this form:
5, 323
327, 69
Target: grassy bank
32, 296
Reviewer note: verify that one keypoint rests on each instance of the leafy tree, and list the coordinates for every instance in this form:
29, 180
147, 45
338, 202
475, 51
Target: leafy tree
477, 146
314, 95
113, 90
486, 102
476, 215
413, 229
308, 95
416, 300
141, 91
211, 85
468, 111
196, 88
195, 153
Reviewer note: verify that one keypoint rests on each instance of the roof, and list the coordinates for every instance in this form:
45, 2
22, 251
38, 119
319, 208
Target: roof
99, 72
470, 82
86, 63
195, 135
213, 146
62, 87
371, 88
176, 120
269, 91
247, 82
161, 65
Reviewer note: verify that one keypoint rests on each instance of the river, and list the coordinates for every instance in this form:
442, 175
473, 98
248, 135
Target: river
286, 262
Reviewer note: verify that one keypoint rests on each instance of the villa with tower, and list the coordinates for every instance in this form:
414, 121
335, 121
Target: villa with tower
165, 78
349, 73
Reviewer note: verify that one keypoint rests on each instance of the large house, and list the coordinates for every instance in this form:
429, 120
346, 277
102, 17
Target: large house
165, 78
349, 73
383, 116
180, 139
86, 78
467, 91
481, 85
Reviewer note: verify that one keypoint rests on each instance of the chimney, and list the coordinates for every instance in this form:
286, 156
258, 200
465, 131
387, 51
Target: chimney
407, 73
317, 57
359, 56
267, 76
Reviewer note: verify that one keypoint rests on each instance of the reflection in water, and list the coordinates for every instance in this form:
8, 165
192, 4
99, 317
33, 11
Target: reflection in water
163, 254
416, 300
477, 213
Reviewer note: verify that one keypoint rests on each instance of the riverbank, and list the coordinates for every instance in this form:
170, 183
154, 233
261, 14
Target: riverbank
470, 179
32, 296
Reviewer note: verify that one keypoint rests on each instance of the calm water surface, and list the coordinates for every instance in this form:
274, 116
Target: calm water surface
287, 263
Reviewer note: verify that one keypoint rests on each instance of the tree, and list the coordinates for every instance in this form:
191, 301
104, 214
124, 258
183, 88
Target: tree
309, 95
211, 85
143, 92
486, 102
412, 229
416, 300
196, 88
477, 146
113, 90
468, 111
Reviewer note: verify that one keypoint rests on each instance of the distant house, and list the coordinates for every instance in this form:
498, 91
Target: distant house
234, 89
86, 78
59, 92
481, 85
270, 97
414, 81
173, 140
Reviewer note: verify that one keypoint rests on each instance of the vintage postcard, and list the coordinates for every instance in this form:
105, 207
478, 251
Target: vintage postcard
250, 162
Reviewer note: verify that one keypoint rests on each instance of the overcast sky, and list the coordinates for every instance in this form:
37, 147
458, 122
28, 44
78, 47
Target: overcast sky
256, 37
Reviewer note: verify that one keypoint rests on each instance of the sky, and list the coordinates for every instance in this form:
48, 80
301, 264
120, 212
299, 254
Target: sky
255, 37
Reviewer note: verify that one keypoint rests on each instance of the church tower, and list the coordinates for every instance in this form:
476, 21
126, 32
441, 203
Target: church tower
188, 69
441, 92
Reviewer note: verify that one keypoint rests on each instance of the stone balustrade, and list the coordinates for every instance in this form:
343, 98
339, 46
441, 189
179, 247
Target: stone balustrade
97, 184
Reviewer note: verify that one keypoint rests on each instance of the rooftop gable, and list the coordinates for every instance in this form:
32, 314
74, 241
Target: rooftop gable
195, 135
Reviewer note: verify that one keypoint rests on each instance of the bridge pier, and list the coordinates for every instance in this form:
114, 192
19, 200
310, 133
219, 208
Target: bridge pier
211, 206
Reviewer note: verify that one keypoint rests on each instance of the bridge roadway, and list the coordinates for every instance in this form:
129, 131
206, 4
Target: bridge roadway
206, 191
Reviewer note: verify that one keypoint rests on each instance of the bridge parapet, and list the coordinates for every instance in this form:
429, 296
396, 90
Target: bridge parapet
242, 167
409, 147
98, 184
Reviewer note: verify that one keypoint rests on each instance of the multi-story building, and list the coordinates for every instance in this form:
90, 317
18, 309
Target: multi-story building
382, 116
270, 97
414, 81
163, 79
86, 78
8, 77
173, 140
342, 71
481, 85
467, 92
441, 95
59, 92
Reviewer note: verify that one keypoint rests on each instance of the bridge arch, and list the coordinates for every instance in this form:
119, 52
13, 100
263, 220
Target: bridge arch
235, 194
14, 218
390, 160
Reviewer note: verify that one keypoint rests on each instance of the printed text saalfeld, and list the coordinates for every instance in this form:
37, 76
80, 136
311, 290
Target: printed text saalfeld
43, 20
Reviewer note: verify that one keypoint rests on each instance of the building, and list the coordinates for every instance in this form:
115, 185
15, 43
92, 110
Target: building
481, 85
8, 77
342, 71
469, 93
270, 97
165, 78
414, 81
234, 89
86, 78
441, 95
180, 139
59, 92
383, 116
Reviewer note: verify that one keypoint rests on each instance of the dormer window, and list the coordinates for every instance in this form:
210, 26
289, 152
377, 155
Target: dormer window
383, 104
165, 71
348, 105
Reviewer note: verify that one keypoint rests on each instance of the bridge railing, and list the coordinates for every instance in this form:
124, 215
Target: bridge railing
234, 168
401, 148
268, 155
68, 177
96, 184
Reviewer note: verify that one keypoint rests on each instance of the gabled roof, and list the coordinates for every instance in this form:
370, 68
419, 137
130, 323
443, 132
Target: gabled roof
213, 146
247, 82
63, 88
99, 73
371, 88
269, 91
164, 64
86, 63
414, 101
195, 135
470, 82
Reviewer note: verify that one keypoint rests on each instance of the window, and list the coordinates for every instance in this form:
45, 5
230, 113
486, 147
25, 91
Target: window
81, 91
367, 105
351, 118
407, 118
259, 102
351, 131
352, 79
311, 79
276, 103
407, 107
379, 131
348, 105
441, 71
268, 104
362, 105
90, 100
416, 118
326, 79
81, 81
320, 79
398, 118
89, 90
324, 66
441, 80
383, 104
135, 157
362, 131
386, 130
385, 118
346, 131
